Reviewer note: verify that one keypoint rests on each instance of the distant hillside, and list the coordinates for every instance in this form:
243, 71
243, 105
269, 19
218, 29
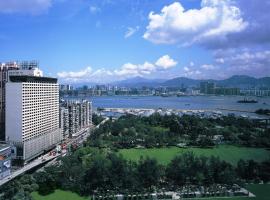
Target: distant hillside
139, 82
181, 81
239, 81
245, 82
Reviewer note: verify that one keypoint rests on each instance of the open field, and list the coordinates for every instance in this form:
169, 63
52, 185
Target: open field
58, 195
228, 153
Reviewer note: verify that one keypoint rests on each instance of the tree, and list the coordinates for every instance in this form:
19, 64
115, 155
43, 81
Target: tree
46, 183
149, 172
175, 171
96, 119
264, 171
97, 174
241, 169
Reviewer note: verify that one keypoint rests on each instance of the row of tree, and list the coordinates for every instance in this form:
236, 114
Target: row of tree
91, 171
157, 130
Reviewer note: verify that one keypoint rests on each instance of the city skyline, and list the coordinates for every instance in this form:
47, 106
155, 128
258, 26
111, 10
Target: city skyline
105, 41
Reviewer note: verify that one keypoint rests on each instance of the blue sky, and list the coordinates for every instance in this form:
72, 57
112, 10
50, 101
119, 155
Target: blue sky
108, 40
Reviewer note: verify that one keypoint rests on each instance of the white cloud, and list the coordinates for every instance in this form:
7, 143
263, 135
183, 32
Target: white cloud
208, 67
125, 71
186, 69
79, 74
252, 62
129, 69
94, 9
191, 73
215, 20
220, 60
25, 6
131, 31
165, 62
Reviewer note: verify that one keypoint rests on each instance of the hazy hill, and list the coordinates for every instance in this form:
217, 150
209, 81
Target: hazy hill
139, 82
181, 81
239, 81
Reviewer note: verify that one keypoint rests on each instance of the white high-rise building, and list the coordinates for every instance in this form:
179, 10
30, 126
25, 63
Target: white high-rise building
13, 68
4, 69
32, 114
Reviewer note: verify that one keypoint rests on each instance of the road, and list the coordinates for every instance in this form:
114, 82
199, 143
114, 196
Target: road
78, 139
106, 119
34, 163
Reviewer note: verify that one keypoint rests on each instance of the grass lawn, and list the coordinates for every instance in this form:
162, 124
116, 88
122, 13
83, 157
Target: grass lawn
228, 153
58, 195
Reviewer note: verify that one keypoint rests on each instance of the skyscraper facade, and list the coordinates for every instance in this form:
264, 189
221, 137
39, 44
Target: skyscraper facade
207, 87
7, 69
32, 113
4, 69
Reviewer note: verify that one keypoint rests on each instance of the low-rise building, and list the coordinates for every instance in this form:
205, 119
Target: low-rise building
5, 160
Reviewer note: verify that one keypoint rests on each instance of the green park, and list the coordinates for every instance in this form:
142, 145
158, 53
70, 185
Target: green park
229, 153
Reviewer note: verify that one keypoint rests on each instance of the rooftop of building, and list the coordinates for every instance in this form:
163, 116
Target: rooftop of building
32, 79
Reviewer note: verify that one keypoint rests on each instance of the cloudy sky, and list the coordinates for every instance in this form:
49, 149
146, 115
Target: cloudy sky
108, 40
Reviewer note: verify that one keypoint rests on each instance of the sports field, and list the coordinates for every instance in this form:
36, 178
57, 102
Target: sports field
228, 153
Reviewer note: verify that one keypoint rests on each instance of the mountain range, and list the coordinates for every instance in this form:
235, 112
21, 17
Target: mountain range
240, 81
139, 82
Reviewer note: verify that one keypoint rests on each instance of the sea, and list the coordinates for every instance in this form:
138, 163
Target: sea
223, 103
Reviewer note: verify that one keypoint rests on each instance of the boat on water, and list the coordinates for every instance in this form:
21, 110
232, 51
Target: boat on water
164, 95
247, 101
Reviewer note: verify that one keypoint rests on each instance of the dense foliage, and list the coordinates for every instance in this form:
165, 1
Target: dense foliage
19, 189
96, 119
90, 171
97, 169
171, 130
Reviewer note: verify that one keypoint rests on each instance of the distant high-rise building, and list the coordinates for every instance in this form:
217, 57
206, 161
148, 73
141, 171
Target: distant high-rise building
75, 116
207, 87
32, 112
65, 87
227, 91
